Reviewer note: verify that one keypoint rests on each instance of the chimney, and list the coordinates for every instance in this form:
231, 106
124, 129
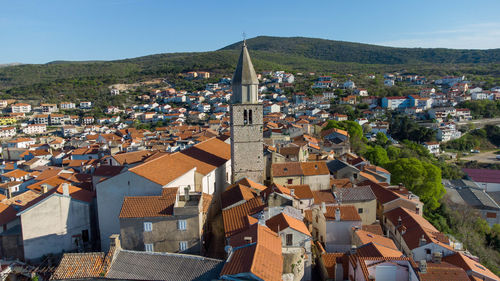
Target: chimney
262, 219
114, 241
186, 193
248, 239
401, 186
334, 188
353, 249
337, 213
323, 207
422, 241
9, 193
436, 257
422, 266
45, 188
65, 188
292, 192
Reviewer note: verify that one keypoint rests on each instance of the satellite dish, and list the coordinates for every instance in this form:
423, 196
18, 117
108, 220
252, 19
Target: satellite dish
228, 249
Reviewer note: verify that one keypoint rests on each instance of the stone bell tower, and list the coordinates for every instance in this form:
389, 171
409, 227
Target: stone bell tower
247, 158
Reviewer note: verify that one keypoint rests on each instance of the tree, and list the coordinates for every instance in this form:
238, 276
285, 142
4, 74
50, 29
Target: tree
420, 177
377, 155
381, 139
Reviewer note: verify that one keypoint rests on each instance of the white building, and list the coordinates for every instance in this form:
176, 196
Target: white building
7, 132
35, 129
114, 92
21, 108
433, 147
86, 105
67, 105
389, 82
349, 85
50, 225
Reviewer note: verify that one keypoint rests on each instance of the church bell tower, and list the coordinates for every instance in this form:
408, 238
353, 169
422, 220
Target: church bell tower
247, 158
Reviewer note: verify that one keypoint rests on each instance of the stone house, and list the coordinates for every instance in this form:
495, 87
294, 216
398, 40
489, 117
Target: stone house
313, 173
332, 226
172, 223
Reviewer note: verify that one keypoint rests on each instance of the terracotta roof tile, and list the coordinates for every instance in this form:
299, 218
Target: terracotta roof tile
80, 265
367, 237
150, 206
347, 213
235, 219
469, 264
262, 258
302, 191
373, 228
416, 227
443, 271
132, 157
236, 194
330, 260
299, 169
252, 184
7, 213
341, 183
375, 250
283, 221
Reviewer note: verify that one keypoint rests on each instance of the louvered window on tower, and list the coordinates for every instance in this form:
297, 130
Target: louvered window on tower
250, 121
181, 224
148, 226
245, 117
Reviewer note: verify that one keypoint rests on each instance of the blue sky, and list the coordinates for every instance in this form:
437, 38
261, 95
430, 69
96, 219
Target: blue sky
34, 31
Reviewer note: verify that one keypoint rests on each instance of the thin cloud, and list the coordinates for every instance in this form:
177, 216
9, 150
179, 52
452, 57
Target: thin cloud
474, 36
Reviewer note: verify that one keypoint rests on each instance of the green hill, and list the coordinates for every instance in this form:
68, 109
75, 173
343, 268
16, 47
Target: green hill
364, 53
89, 79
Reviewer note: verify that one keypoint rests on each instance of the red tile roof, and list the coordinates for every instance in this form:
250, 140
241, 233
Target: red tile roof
150, 206
347, 213
235, 219
283, 221
469, 264
416, 227
236, 194
261, 258
443, 271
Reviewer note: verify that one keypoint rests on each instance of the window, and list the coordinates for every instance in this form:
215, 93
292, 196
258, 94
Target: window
181, 224
148, 247
148, 226
360, 210
245, 117
250, 121
289, 239
183, 245
85, 235
428, 251
290, 181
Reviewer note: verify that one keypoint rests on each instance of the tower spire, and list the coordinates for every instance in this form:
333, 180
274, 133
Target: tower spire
245, 82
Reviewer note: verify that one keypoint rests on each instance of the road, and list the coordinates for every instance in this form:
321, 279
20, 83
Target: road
484, 157
479, 123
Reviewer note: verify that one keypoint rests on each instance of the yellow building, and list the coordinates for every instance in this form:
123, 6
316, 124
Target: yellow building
6, 120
